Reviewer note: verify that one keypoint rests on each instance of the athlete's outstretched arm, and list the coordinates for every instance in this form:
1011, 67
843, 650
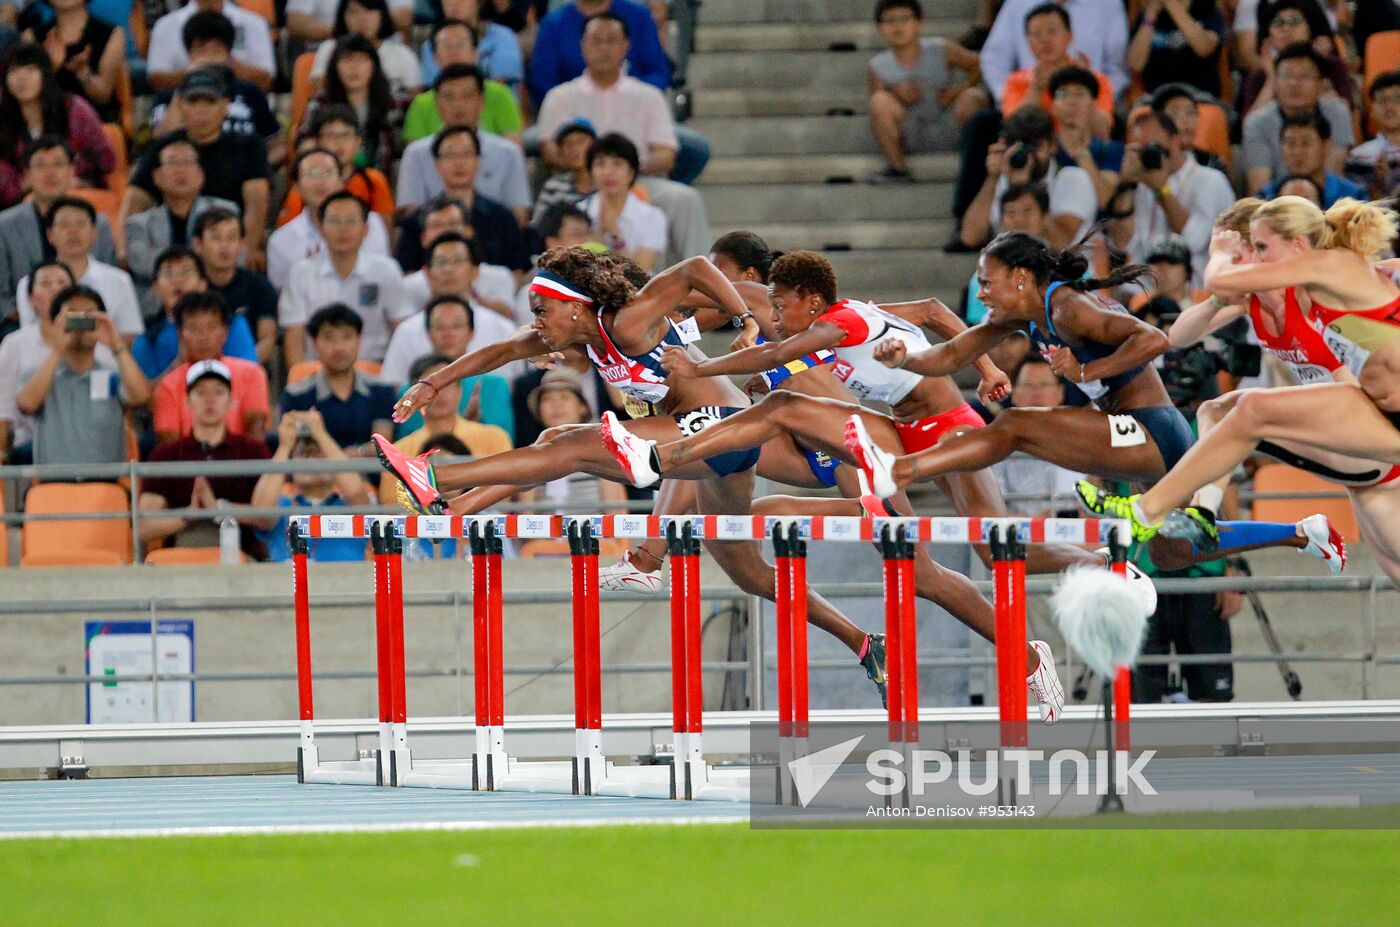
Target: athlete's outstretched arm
639, 325
941, 360
932, 314
1225, 277
1201, 320
523, 344
758, 358
708, 315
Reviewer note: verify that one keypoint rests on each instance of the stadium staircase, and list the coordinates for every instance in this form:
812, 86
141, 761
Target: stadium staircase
779, 88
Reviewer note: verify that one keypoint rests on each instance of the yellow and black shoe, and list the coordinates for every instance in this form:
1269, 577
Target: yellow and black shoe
1108, 505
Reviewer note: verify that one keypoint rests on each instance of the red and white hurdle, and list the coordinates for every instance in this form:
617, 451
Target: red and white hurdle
588, 771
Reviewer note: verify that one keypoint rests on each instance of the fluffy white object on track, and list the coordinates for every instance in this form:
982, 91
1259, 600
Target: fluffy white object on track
1101, 616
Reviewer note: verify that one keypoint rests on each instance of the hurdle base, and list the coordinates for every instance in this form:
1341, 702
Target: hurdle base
341, 772
789, 749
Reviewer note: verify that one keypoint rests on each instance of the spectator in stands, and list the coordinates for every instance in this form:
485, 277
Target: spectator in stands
1178, 101
1073, 90
448, 325
78, 406
1178, 40
493, 286
33, 105
442, 416
253, 60
1024, 208
1376, 162
317, 173
179, 271
458, 157
357, 80
1298, 76
235, 164
23, 350
313, 21
336, 128
303, 436
71, 227
598, 396
1306, 142
571, 143
87, 54
370, 20
1305, 187
48, 174
915, 105
217, 236
500, 173
9, 38
497, 48
1175, 195
202, 320
1100, 35
1024, 153
1035, 386
179, 178
1171, 263
625, 223
454, 42
353, 406
1293, 22
209, 40
556, 402
346, 271
1049, 37
558, 55
451, 271
615, 102
209, 394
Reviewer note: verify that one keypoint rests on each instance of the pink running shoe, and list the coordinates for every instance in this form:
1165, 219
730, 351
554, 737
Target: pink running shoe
415, 475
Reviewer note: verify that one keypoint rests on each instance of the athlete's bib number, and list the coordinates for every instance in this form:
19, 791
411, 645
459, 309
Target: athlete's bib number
1125, 431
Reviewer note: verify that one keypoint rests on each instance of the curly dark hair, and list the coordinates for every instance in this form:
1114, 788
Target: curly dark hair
806, 272
602, 277
636, 274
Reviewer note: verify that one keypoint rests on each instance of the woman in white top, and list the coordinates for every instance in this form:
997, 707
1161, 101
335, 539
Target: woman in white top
371, 19
624, 222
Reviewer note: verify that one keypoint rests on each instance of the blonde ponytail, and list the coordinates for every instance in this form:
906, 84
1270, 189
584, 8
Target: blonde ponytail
1366, 228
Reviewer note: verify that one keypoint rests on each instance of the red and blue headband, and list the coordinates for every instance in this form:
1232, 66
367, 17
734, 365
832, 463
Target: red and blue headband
548, 283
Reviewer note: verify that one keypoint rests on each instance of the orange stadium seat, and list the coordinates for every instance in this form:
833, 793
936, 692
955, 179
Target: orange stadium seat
1382, 54
116, 181
301, 91
182, 556
94, 542
126, 101
104, 201
1283, 478
305, 368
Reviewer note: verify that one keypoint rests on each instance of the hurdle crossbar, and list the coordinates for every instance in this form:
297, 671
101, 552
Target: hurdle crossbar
688, 776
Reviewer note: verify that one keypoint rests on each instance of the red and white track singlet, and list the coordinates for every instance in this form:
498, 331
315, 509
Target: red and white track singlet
1353, 336
641, 378
865, 325
1300, 345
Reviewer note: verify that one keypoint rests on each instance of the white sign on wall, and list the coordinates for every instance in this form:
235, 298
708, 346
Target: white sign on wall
123, 648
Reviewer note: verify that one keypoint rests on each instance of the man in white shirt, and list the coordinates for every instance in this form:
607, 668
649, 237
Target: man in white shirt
313, 21
317, 175
1026, 153
1175, 194
451, 269
612, 101
71, 227
344, 272
494, 287
253, 61
500, 175
1100, 35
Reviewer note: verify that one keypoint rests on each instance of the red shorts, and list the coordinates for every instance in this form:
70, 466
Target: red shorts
926, 432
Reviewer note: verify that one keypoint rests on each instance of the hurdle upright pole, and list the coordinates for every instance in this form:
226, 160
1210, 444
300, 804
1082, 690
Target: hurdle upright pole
908, 636
383, 648
301, 599
588, 761
797, 583
1123, 677
782, 602
901, 669
486, 550
398, 683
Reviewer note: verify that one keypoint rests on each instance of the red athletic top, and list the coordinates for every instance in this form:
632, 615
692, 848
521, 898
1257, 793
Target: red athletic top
1353, 336
1299, 345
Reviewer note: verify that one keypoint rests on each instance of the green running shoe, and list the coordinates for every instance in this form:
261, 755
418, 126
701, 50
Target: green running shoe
1108, 505
1193, 524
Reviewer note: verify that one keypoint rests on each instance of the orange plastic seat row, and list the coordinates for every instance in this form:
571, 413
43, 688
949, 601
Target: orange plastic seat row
97, 542
1280, 478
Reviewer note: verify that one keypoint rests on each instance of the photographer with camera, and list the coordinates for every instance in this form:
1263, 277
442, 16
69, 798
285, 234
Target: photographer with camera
79, 407
1025, 153
1175, 194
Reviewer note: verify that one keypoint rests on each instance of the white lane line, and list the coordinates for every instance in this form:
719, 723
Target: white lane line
235, 830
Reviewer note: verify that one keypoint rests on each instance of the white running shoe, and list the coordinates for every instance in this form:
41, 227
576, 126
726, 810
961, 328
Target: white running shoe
624, 577
1045, 683
633, 454
1324, 542
877, 463
1139, 582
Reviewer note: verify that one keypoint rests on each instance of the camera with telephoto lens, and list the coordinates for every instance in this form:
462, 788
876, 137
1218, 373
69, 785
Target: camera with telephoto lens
80, 323
1018, 156
1189, 373
1152, 156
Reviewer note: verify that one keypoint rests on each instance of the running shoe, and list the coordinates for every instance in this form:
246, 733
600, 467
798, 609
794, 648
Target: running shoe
1194, 524
1098, 502
870, 503
1324, 542
418, 490
1045, 683
623, 576
1138, 581
635, 455
874, 663
878, 464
